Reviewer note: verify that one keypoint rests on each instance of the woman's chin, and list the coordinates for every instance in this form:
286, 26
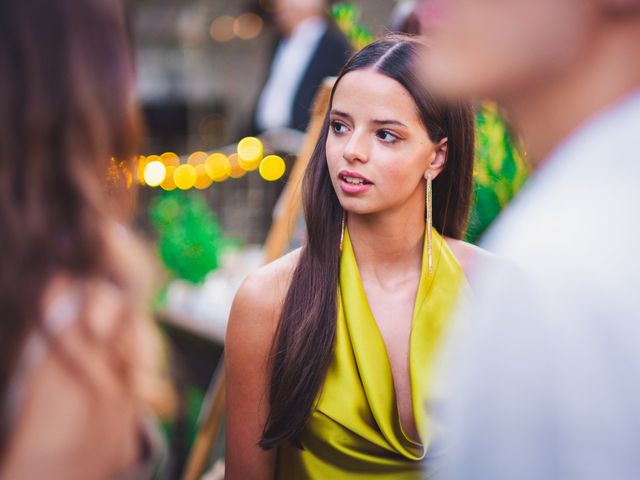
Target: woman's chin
358, 208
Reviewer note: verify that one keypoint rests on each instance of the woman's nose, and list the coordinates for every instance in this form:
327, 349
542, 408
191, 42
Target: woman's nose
357, 148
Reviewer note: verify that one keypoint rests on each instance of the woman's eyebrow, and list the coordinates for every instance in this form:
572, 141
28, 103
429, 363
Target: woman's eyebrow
341, 114
389, 122
345, 115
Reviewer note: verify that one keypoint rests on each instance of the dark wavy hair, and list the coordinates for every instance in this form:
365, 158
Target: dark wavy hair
303, 344
69, 129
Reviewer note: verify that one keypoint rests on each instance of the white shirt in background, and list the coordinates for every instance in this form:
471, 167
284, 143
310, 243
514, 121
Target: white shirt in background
289, 65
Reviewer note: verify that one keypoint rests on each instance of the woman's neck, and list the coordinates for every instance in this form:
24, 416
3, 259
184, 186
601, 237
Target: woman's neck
387, 243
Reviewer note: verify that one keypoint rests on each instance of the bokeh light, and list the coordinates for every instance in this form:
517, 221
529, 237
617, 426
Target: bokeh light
170, 159
196, 158
141, 162
236, 170
168, 184
185, 176
250, 151
154, 172
221, 29
203, 180
272, 168
247, 26
218, 167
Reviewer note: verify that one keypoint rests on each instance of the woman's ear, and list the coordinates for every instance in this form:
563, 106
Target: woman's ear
438, 160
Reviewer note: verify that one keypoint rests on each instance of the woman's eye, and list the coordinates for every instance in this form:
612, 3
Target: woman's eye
338, 127
387, 136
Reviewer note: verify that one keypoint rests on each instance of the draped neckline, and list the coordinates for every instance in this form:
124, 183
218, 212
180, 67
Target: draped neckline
430, 313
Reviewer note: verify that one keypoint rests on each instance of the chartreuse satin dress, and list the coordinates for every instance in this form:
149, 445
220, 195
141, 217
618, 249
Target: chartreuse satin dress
354, 431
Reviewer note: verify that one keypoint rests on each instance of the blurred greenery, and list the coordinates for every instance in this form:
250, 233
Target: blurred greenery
347, 17
189, 237
499, 172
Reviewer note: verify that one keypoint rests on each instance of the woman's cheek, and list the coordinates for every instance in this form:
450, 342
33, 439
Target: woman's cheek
332, 156
392, 174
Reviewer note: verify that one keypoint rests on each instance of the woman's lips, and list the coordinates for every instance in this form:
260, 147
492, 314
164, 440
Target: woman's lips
352, 182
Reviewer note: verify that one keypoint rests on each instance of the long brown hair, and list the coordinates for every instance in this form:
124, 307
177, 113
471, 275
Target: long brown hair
68, 130
303, 344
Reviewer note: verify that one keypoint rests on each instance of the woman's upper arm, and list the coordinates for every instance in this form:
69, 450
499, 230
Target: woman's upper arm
250, 333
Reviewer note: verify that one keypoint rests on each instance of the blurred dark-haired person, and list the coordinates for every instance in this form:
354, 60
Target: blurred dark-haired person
310, 49
328, 348
544, 384
79, 369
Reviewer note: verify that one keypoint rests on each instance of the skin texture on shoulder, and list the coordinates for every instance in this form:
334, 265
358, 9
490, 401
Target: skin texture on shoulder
252, 325
467, 254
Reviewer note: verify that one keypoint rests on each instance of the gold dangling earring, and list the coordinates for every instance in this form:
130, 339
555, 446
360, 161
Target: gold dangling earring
429, 211
342, 231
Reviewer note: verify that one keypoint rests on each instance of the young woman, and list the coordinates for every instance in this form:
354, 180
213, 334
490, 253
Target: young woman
329, 349
78, 363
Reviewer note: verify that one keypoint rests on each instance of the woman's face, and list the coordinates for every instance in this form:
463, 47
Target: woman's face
378, 150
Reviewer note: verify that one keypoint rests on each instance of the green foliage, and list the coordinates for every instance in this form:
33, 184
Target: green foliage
347, 16
189, 238
499, 172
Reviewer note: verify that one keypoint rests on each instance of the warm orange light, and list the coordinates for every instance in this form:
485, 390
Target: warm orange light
168, 184
272, 168
185, 176
196, 158
203, 180
250, 151
221, 29
236, 170
218, 167
170, 158
247, 26
141, 162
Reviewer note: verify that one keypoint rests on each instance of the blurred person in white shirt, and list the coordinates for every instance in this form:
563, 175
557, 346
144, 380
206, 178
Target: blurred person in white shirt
542, 381
309, 49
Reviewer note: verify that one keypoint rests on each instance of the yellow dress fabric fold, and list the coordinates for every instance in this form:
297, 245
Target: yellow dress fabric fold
354, 431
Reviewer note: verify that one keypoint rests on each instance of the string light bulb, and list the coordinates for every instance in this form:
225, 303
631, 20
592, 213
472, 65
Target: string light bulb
154, 173
272, 168
185, 176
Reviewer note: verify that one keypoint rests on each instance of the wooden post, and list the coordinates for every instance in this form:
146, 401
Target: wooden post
284, 224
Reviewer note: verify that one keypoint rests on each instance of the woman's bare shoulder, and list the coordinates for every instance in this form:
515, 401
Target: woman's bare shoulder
250, 334
266, 288
259, 300
467, 254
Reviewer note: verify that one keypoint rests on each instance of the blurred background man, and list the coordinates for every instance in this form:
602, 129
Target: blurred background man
544, 384
309, 49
